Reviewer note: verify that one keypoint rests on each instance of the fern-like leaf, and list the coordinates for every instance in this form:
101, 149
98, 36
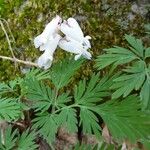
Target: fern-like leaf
9, 139
94, 91
116, 56
37, 74
83, 147
47, 126
41, 95
87, 97
10, 109
119, 55
132, 79
135, 77
61, 73
147, 28
68, 119
136, 45
27, 141
124, 119
62, 100
145, 94
89, 122
147, 52
10, 87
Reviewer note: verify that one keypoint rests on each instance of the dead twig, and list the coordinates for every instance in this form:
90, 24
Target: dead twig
9, 43
19, 61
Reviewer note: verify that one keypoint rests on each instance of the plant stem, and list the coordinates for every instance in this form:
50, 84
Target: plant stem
19, 61
54, 101
70, 106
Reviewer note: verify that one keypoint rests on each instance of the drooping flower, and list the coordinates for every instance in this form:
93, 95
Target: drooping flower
50, 30
47, 41
73, 46
45, 60
74, 40
72, 29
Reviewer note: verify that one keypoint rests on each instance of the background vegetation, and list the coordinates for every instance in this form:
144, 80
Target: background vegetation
106, 21
105, 100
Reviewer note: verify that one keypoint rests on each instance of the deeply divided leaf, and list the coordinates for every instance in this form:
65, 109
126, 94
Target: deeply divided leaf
124, 119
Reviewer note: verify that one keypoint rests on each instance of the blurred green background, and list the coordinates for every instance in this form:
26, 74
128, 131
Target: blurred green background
106, 21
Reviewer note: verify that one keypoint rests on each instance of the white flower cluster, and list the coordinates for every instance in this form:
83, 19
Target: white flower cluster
73, 41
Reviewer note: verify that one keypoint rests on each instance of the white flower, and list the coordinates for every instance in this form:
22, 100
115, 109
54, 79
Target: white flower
47, 41
72, 29
73, 46
50, 30
74, 41
45, 60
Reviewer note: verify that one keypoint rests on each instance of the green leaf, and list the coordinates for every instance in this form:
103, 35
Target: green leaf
83, 147
124, 119
89, 122
119, 55
137, 45
133, 79
86, 98
10, 87
37, 74
4, 88
146, 144
27, 141
41, 95
61, 72
145, 94
63, 99
116, 56
46, 125
147, 27
9, 139
9, 109
32, 75
67, 118
94, 91
147, 52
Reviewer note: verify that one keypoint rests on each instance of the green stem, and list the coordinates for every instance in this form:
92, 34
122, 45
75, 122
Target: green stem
54, 101
63, 108
70, 106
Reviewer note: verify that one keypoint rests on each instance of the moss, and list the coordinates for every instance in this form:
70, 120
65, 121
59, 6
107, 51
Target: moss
106, 21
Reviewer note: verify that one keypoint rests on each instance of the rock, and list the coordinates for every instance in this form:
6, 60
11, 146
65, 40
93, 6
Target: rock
140, 8
135, 8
